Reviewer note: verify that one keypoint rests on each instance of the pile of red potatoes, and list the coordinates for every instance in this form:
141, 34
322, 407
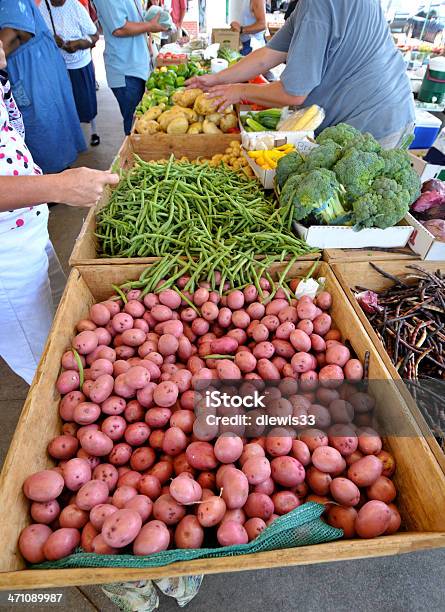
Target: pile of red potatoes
141, 468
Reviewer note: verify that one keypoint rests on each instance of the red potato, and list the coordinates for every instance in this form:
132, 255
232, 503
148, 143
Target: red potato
134, 308
211, 511
100, 547
353, 370
235, 300
365, 471
275, 306
256, 311
322, 324
114, 427
169, 298
373, 519
85, 325
61, 543
156, 439
107, 473
102, 388
86, 413
45, 512
259, 505
227, 370
239, 335
382, 489
287, 471
99, 367
121, 528
133, 337
238, 515
284, 502
257, 470
345, 492
343, 438
343, 517
353, 457
142, 459
306, 326
306, 310
240, 319
209, 311
228, 448
129, 478
259, 332
327, 459
168, 344
165, 394
182, 378
161, 313
63, 447
153, 537
395, 520
254, 526
141, 324
69, 361
251, 450
362, 402
250, 294
137, 377
142, 505
85, 342
68, 381
302, 362
137, 433
91, 494
31, 542
76, 472
331, 376
150, 300
43, 486
223, 346
157, 417
123, 495
120, 367
288, 315
235, 488
185, 490
231, 533
72, 516
150, 486
267, 370
120, 455
96, 443
174, 442
318, 481
369, 441
89, 532
341, 411
283, 349
189, 533
68, 403
100, 314
168, 510
389, 463
183, 419
324, 300
278, 442
300, 451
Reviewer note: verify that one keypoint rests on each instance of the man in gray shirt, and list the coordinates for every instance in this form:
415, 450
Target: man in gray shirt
339, 54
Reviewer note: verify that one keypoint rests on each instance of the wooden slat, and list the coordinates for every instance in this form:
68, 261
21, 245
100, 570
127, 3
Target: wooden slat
333, 256
343, 550
355, 274
419, 479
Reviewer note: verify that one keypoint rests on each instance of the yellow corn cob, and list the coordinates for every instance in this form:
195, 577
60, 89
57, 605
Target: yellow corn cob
301, 123
315, 121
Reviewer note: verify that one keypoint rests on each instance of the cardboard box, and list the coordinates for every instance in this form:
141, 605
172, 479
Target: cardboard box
342, 236
423, 242
226, 38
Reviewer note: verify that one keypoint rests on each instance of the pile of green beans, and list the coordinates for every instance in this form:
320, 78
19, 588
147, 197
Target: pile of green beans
222, 275
214, 216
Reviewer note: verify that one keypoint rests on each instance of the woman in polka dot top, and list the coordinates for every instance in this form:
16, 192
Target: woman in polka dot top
27, 257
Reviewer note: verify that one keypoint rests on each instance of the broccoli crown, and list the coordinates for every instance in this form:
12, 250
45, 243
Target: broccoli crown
365, 142
323, 156
342, 134
288, 165
398, 167
384, 205
356, 170
316, 194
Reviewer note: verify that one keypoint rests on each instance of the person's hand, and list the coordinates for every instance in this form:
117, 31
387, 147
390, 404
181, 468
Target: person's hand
235, 26
2, 57
70, 46
204, 82
59, 41
83, 186
154, 26
226, 95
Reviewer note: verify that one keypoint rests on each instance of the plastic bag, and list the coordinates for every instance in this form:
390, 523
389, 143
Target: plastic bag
303, 119
164, 20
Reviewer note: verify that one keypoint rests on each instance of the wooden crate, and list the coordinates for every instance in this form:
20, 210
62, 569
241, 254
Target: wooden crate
362, 274
200, 145
420, 481
333, 256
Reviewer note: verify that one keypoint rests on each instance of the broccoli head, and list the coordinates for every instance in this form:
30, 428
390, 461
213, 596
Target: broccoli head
288, 165
398, 167
315, 195
365, 142
384, 205
356, 170
342, 134
323, 156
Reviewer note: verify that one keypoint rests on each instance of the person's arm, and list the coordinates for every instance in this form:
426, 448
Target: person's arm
134, 28
259, 12
272, 94
76, 45
257, 62
75, 187
10, 39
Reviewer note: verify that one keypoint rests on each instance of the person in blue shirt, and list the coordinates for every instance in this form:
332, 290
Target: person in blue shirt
41, 86
339, 54
127, 57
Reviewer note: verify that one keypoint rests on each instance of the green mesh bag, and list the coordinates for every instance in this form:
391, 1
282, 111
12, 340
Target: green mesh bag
301, 527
